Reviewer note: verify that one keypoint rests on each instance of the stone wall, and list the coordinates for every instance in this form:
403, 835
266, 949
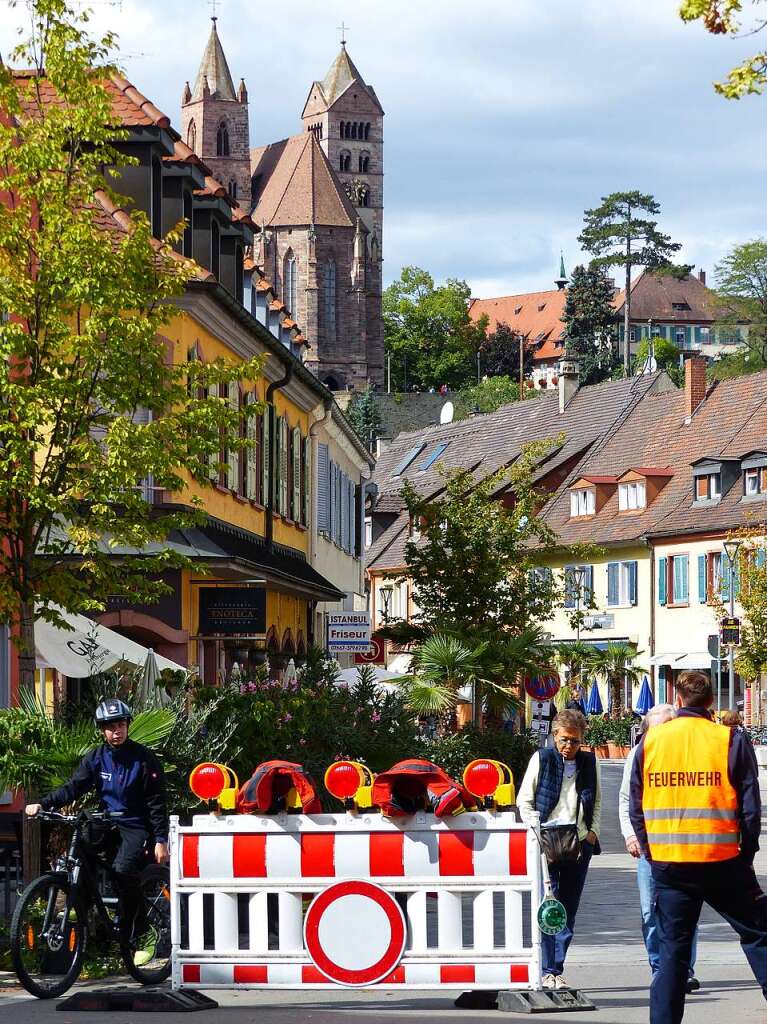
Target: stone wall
402, 413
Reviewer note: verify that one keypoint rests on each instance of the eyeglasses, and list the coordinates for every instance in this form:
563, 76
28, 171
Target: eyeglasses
568, 740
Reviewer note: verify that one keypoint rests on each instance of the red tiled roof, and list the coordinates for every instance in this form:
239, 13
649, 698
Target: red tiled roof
648, 471
597, 480
653, 297
536, 315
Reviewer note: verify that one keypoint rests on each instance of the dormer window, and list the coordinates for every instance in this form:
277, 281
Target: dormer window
754, 468
713, 477
708, 487
632, 496
583, 502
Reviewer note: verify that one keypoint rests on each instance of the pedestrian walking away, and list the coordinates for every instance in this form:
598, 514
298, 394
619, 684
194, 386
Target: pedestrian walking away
562, 785
127, 778
658, 715
695, 809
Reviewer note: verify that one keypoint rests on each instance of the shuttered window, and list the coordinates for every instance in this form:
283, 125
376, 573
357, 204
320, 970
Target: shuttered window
284, 459
143, 417
295, 511
333, 502
344, 512
702, 579
353, 515
232, 454
662, 571
251, 455
266, 455
323, 489
306, 509
214, 459
621, 584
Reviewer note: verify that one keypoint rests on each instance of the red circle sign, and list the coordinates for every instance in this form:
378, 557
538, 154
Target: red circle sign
542, 687
355, 933
375, 655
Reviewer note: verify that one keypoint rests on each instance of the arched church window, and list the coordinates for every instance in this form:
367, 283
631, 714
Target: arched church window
367, 131
345, 161
364, 196
364, 162
354, 129
222, 140
342, 129
191, 136
329, 297
361, 130
290, 282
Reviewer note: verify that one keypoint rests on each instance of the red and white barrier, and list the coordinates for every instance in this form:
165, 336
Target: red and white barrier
307, 901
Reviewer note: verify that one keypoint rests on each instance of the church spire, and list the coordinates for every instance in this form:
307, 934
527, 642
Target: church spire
562, 281
340, 76
215, 69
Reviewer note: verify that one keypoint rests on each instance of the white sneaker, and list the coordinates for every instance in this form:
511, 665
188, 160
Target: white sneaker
549, 981
560, 982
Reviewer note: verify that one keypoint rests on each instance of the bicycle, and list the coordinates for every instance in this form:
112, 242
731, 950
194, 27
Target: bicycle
56, 912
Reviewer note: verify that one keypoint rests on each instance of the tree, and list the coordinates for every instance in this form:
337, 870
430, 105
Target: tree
487, 396
365, 416
741, 280
720, 18
589, 319
621, 233
666, 356
499, 353
616, 665
428, 332
82, 363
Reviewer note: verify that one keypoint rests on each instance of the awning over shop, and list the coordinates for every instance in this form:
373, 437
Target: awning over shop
88, 648
681, 660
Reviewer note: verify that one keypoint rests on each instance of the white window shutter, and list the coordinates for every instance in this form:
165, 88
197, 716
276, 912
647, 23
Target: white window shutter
296, 506
251, 455
233, 454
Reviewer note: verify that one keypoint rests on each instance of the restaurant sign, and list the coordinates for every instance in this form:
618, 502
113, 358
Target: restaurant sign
232, 611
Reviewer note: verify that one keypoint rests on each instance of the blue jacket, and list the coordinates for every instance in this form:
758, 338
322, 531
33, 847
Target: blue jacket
744, 776
550, 776
127, 779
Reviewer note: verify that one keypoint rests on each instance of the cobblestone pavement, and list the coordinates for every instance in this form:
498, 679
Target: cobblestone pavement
607, 960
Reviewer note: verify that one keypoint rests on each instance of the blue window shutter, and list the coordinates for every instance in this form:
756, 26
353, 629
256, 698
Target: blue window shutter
323, 489
761, 558
612, 583
588, 584
683, 563
661, 581
702, 588
569, 587
333, 503
632, 582
662, 682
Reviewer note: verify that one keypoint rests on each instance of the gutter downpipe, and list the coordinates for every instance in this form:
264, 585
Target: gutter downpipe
653, 668
274, 386
327, 413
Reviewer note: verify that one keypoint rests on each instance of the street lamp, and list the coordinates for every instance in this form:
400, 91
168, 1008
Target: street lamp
386, 595
732, 547
579, 575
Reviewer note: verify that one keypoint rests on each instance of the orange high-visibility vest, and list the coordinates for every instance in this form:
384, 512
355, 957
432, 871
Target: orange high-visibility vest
690, 806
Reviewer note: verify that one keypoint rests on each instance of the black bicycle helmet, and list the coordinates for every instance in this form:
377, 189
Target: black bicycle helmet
112, 710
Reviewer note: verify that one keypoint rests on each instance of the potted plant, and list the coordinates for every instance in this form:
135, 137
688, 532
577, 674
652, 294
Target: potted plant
619, 736
596, 735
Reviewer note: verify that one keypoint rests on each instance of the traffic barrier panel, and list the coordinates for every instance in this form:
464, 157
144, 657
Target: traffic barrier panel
308, 901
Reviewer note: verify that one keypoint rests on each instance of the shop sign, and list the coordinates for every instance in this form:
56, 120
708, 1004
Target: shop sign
374, 655
232, 611
348, 631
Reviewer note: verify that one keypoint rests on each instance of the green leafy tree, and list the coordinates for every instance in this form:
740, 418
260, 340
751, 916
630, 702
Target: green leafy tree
487, 396
666, 356
364, 415
429, 334
741, 281
622, 232
81, 353
499, 353
589, 319
720, 18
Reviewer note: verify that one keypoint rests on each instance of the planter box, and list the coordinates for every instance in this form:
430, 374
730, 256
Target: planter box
602, 750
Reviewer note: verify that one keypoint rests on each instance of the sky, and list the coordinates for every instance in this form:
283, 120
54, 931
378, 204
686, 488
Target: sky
505, 119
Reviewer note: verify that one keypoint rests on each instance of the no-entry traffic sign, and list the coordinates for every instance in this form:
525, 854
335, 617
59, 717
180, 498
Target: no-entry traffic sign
543, 686
355, 933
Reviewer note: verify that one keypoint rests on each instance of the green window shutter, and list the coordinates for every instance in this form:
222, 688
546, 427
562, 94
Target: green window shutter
296, 503
306, 510
233, 455
266, 455
251, 453
284, 481
662, 580
702, 587
214, 459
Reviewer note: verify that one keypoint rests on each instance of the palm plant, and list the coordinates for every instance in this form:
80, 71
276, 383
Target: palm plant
616, 665
578, 657
442, 664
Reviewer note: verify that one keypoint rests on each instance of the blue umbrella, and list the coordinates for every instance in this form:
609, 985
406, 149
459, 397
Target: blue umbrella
645, 700
594, 706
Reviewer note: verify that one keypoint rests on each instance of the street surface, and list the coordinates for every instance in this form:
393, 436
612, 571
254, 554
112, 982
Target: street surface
607, 960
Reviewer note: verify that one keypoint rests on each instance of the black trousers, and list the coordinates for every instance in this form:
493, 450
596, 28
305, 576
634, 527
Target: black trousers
126, 843
731, 888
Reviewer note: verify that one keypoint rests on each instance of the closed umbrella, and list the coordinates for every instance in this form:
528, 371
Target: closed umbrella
645, 700
149, 677
594, 706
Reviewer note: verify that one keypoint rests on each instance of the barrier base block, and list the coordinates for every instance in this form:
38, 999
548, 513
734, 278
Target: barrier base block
546, 1000
139, 1000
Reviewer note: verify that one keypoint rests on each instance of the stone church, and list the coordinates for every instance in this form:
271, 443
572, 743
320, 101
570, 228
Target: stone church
318, 199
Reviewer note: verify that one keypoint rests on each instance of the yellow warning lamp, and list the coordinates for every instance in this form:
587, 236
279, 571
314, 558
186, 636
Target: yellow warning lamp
351, 782
491, 781
213, 781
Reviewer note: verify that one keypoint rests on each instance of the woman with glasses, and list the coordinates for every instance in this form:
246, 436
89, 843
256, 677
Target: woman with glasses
562, 784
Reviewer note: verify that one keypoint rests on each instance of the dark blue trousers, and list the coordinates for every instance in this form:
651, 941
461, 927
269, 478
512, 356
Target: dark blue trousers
731, 888
567, 881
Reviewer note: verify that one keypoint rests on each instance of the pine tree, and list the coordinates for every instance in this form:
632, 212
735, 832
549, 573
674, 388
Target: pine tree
365, 416
589, 317
621, 233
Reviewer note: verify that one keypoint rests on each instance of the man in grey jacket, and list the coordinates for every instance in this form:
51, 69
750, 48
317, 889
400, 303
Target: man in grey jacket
656, 716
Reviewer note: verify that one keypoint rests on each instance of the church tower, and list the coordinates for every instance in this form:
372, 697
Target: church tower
346, 118
214, 121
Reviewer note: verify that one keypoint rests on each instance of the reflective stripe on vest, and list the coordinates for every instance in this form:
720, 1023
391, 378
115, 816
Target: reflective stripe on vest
690, 806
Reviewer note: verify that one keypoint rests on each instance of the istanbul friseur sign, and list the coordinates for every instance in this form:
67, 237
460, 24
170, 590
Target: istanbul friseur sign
232, 611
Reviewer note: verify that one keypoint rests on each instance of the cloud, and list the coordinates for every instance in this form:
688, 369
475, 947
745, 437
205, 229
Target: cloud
505, 118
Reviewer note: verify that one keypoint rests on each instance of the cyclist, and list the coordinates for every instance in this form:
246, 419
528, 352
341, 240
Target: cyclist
128, 779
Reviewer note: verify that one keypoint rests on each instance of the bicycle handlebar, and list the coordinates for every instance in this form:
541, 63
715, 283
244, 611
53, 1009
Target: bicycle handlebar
71, 819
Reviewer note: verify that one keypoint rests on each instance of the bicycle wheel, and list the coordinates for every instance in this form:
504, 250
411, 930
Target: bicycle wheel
147, 955
47, 950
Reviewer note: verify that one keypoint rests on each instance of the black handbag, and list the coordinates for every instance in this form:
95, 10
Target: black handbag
560, 843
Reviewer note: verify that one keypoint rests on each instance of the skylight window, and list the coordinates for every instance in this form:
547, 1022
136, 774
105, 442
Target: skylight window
411, 456
517, 310
432, 457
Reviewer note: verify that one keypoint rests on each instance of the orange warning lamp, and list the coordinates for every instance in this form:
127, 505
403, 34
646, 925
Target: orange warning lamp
491, 781
351, 782
213, 781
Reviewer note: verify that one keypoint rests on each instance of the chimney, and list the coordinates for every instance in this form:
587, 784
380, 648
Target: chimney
694, 385
702, 276
568, 382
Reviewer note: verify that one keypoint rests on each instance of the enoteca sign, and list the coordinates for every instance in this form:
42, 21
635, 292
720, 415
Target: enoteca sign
348, 631
232, 611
